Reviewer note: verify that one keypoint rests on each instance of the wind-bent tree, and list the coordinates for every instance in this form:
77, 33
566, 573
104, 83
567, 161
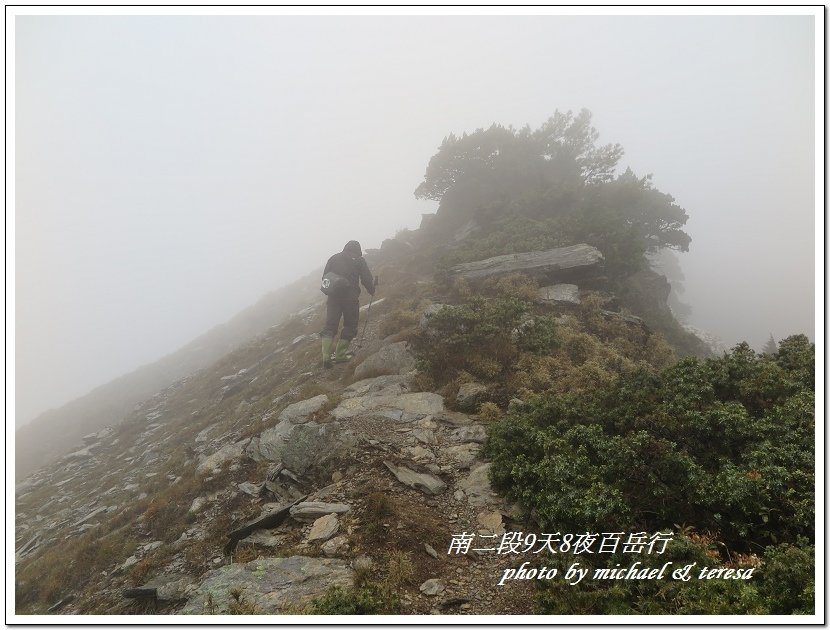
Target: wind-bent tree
558, 178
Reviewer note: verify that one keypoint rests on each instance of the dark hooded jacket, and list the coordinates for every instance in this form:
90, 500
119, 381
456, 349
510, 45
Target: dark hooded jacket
351, 265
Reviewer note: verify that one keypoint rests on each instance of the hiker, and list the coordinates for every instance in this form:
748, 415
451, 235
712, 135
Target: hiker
352, 269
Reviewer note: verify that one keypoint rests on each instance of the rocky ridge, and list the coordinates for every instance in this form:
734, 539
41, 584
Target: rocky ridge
255, 485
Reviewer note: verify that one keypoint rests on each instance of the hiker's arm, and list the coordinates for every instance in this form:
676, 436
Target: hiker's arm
366, 277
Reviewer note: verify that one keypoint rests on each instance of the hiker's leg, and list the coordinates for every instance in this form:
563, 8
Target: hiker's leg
351, 309
333, 312
326, 347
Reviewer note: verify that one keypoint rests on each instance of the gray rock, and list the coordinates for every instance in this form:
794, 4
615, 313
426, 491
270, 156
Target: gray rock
431, 550
389, 385
309, 511
553, 264
453, 418
391, 359
203, 434
425, 436
264, 538
403, 408
424, 482
91, 515
365, 307
560, 293
269, 585
324, 528
432, 587
491, 522
132, 560
301, 447
272, 516
300, 411
463, 454
252, 450
253, 489
227, 453
337, 546
476, 486
419, 453
471, 433
470, 395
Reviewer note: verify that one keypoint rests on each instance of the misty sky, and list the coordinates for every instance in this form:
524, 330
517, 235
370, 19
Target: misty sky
169, 171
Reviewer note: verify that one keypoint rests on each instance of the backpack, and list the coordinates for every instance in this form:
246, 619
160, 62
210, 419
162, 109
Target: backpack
334, 284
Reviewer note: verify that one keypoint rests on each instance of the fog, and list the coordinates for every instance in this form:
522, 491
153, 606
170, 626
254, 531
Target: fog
170, 170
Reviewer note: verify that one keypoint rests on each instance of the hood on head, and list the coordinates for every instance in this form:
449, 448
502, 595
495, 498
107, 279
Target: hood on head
353, 248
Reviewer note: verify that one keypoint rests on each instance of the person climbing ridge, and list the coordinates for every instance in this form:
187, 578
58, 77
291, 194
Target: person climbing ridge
342, 276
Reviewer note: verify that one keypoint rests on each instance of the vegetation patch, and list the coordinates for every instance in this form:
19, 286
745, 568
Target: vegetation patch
724, 445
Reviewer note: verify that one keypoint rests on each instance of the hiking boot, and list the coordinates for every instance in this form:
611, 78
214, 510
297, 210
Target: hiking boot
341, 355
326, 347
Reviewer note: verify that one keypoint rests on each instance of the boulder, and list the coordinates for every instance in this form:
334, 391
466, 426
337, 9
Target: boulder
267, 585
324, 528
560, 293
463, 454
337, 546
300, 447
426, 483
300, 411
432, 587
227, 453
553, 264
390, 359
470, 395
402, 408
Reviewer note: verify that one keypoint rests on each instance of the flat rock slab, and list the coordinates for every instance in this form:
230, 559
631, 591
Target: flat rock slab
560, 293
402, 408
310, 511
300, 411
269, 585
391, 359
424, 482
476, 486
389, 385
324, 528
562, 262
271, 517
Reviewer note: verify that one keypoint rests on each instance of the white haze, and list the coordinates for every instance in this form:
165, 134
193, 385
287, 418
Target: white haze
172, 170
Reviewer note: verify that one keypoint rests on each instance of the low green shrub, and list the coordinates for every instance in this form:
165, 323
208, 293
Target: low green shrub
725, 445
370, 599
